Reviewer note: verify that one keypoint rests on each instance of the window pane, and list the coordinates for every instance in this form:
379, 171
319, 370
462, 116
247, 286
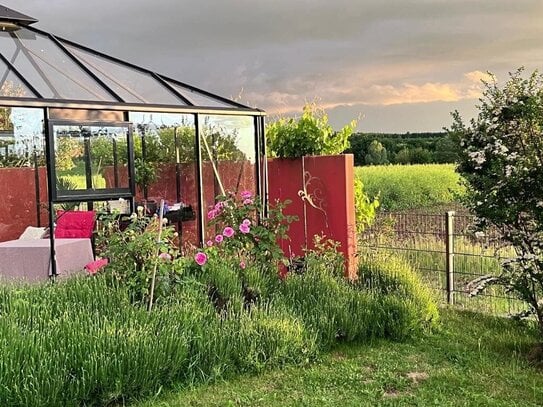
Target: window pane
23, 175
90, 158
228, 157
164, 145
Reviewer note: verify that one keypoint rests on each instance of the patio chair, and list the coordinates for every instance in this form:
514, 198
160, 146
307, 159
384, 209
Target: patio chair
76, 225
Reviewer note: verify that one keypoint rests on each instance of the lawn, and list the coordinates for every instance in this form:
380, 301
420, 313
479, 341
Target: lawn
473, 360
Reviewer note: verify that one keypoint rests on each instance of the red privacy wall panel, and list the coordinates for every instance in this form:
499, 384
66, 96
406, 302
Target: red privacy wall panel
322, 192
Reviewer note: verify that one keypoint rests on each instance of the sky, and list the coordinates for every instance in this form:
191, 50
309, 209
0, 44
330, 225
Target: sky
396, 65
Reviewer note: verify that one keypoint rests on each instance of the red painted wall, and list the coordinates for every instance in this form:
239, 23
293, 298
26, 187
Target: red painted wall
18, 201
329, 186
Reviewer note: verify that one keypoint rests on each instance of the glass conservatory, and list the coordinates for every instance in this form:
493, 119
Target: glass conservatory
83, 131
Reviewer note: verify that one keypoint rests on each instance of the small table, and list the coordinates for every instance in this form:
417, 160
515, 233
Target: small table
30, 260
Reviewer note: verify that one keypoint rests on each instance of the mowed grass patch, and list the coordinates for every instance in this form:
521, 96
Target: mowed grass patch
474, 360
402, 187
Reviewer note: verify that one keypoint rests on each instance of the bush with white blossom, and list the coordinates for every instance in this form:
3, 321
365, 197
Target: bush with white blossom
502, 164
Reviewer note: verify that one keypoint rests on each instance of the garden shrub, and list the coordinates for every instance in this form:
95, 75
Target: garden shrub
389, 276
501, 161
311, 134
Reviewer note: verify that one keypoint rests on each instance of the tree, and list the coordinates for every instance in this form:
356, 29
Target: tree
377, 154
501, 161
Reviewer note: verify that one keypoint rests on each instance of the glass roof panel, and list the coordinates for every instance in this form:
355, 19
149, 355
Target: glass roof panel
42, 62
197, 98
130, 84
11, 85
14, 52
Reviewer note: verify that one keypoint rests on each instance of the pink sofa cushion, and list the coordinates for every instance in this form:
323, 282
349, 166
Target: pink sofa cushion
74, 225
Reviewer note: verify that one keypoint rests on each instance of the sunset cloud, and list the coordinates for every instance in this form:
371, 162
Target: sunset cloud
469, 86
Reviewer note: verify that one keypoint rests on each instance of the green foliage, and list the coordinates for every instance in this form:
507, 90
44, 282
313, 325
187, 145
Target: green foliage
68, 149
377, 154
255, 237
408, 148
146, 173
415, 186
365, 208
72, 182
134, 250
309, 135
84, 342
391, 275
502, 164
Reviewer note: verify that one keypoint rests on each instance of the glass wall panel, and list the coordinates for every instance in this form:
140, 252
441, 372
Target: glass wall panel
166, 169
23, 176
228, 158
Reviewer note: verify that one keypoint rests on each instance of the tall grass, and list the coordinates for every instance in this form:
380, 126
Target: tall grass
403, 187
82, 341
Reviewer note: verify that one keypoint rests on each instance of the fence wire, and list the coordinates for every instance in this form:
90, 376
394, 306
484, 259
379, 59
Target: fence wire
421, 239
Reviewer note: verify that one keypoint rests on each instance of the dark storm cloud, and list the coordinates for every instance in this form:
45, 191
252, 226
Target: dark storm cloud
351, 54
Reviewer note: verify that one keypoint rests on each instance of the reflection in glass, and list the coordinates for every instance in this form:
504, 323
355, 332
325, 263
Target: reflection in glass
130, 84
166, 168
228, 157
51, 71
90, 158
23, 176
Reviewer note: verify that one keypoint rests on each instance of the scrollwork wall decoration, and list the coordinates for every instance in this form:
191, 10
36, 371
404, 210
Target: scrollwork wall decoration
312, 193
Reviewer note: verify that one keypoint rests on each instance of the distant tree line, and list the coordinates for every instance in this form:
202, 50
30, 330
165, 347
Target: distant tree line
408, 148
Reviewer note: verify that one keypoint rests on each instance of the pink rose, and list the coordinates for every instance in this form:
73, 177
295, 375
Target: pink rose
246, 194
247, 201
246, 222
212, 214
243, 228
219, 238
209, 243
165, 256
200, 258
219, 206
228, 231
242, 265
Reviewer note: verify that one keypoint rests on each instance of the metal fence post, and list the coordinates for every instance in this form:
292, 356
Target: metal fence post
449, 253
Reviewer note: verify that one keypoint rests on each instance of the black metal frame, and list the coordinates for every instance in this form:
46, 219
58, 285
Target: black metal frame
89, 194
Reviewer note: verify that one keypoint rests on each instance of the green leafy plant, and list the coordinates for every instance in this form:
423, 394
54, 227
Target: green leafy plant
365, 208
132, 253
502, 164
311, 134
146, 173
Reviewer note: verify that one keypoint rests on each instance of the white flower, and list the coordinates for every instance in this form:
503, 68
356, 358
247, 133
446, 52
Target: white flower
479, 235
478, 157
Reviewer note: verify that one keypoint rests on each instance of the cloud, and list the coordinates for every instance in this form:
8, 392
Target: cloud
283, 53
357, 91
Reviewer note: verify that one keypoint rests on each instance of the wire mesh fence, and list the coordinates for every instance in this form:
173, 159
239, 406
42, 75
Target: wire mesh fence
448, 255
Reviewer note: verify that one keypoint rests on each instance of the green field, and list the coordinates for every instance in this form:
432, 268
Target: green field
402, 187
